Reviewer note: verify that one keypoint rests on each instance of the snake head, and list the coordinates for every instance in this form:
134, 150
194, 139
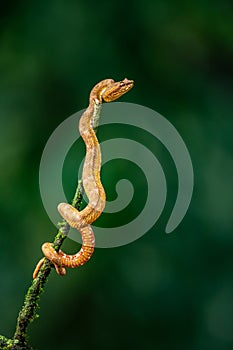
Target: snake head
117, 89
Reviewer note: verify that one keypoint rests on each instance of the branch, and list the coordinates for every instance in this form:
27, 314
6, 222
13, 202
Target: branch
28, 311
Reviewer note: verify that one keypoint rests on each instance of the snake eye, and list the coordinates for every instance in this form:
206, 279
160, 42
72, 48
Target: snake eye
127, 83
124, 82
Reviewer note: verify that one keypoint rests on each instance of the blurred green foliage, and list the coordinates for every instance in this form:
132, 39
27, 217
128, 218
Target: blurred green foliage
161, 291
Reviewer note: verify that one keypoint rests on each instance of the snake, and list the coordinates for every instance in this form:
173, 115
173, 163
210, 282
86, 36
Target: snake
107, 90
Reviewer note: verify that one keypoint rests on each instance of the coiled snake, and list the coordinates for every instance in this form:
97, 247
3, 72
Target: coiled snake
107, 90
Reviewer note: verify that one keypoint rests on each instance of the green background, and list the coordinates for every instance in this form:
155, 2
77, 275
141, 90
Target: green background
162, 291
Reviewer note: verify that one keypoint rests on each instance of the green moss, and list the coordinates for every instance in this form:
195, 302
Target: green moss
3, 343
9, 344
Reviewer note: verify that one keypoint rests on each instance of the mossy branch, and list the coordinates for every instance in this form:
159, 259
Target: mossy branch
28, 312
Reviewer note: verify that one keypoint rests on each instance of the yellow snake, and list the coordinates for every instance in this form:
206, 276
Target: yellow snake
107, 90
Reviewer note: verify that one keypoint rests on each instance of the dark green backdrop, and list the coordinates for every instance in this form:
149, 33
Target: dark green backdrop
162, 291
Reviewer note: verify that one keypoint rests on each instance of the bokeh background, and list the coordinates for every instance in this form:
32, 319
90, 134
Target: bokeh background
162, 291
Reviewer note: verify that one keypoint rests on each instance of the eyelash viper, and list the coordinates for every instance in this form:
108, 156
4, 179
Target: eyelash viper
107, 90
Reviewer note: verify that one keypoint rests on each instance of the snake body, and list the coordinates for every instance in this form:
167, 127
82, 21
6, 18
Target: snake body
107, 90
